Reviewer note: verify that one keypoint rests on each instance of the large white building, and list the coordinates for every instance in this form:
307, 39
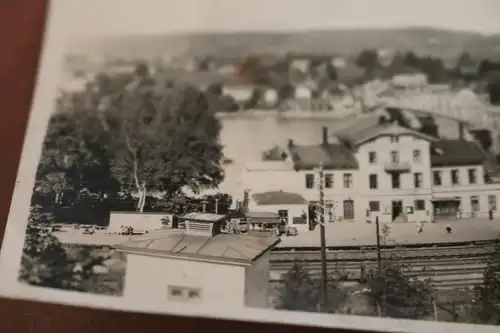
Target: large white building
387, 170
199, 265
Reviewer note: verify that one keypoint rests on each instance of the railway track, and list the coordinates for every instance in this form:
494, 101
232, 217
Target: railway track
455, 267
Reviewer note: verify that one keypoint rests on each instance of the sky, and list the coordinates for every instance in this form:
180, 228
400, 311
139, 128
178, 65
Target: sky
93, 18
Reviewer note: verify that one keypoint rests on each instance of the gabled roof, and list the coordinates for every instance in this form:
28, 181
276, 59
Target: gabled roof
233, 249
332, 156
456, 153
278, 198
356, 138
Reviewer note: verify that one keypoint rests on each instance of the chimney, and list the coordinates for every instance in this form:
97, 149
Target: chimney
461, 130
325, 135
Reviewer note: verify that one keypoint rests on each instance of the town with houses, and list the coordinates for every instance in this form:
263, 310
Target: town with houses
400, 166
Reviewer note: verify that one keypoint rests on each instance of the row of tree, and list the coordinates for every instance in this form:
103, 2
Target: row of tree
129, 136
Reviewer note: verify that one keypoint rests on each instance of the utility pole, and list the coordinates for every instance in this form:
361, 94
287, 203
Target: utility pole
380, 307
321, 213
379, 254
216, 206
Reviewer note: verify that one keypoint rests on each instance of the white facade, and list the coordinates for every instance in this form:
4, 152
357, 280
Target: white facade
139, 221
349, 195
163, 280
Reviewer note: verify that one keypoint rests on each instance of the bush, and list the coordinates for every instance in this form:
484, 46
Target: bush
45, 262
302, 292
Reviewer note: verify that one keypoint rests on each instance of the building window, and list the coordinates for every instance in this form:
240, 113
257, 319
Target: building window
395, 178
417, 156
176, 293
328, 180
472, 176
474, 202
372, 157
347, 180
309, 180
455, 179
394, 139
373, 181
437, 178
374, 206
419, 204
329, 209
394, 157
417, 178
348, 209
492, 202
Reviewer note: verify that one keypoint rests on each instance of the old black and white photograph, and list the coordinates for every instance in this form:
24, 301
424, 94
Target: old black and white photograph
317, 157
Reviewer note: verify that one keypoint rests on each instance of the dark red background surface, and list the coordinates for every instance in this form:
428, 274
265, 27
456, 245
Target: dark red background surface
21, 29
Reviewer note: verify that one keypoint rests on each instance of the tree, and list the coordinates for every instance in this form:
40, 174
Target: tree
165, 140
274, 154
368, 59
486, 309
399, 295
464, 59
46, 263
301, 291
394, 290
227, 103
411, 59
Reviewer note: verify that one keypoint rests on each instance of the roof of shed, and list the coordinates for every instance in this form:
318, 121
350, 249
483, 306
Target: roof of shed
236, 249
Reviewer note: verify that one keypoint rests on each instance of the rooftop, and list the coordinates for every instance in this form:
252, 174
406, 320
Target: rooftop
456, 152
278, 198
235, 249
333, 157
203, 217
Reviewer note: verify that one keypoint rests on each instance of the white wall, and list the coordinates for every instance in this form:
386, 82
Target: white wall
257, 284
144, 221
147, 278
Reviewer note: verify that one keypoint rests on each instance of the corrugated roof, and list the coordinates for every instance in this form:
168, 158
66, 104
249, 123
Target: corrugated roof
456, 153
203, 217
225, 247
278, 198
332, 156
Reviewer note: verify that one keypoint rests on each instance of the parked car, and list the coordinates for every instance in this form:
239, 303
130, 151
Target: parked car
56, 227
140, 231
